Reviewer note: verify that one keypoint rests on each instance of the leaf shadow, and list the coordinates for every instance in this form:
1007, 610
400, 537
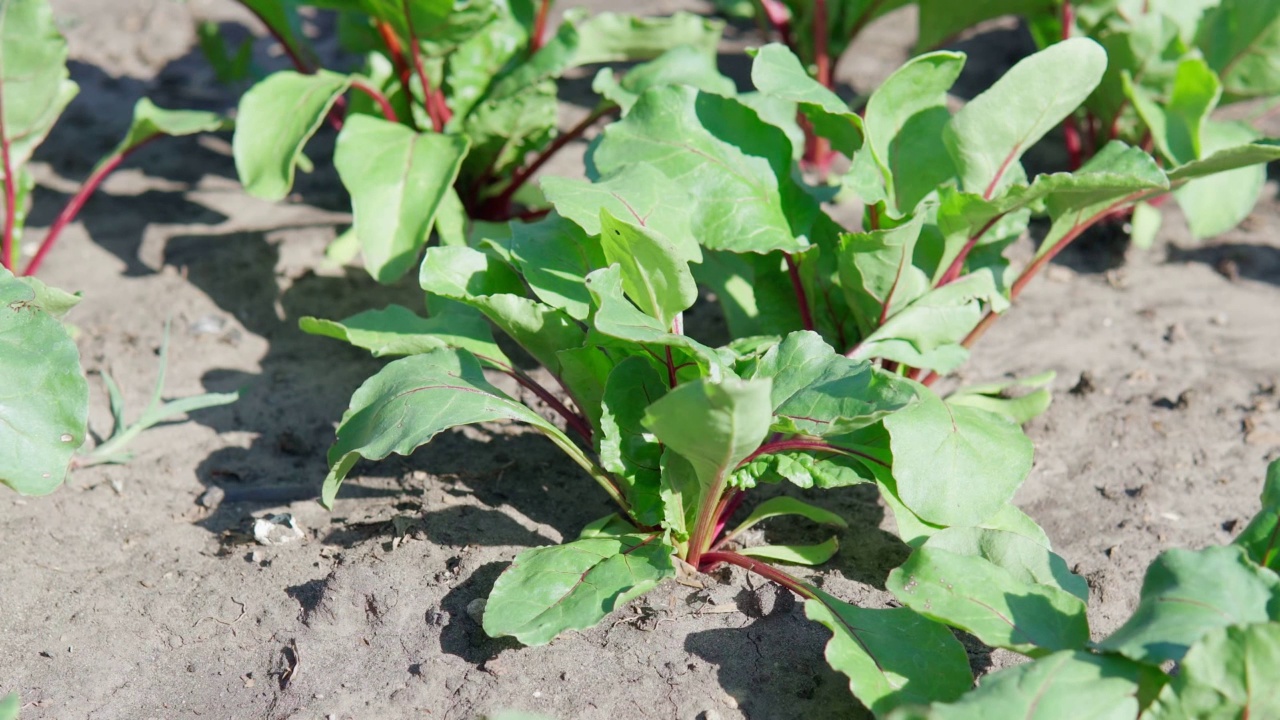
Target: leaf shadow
774, 668
1233, 260
461, 635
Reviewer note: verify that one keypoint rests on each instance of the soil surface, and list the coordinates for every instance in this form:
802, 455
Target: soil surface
124, 597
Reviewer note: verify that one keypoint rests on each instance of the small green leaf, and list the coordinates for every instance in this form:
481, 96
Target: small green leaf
904, 122
617, 37
412, 399
794, 554
1261, 538
626, 449
1145, 221
397, 330
1254, 153
893, 656
1019, 400
1176, 124
876, 271
782, 505
1064, 685
150, 121
956, 465
988, 136
34, 84
805, 469
1240, 39
397, 179
276, 118
42, 425
549, 590
998, 606
1229, 673
9, 707
683, 65
778, 72
1186, 595
654, 275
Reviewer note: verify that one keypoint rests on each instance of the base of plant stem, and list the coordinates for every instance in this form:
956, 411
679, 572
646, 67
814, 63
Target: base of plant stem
796, 585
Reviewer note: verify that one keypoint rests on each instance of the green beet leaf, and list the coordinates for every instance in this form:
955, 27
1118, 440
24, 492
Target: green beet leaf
1240, 40
549, 590
42, 426
617, 37
627, 449
942, 19
150, 121
276, 118
779, 506
654, 275
1019, 400
817, 391
397, 330
1025, 558
1063, 686
554, 256
34, 84
1176, 124
891, 656
794, 554
904, 123
1261, 538
487, 284
803, 468
927, 333
1188, 594
639, 194
877, 274
397, 179
778, 72
698, 140
1229, 673
9, 707
988, 136
413, 399
955, 465
1254, 153
1000, 607
683, 65
1219, 202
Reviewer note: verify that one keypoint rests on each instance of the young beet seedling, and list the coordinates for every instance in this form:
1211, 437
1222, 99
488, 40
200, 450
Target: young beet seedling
450, 101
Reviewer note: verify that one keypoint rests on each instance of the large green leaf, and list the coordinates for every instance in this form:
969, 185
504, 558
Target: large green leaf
904, 121
276, 118
941, 19
1187, 594
626, 449
638, 194
9, 707
723, 157
1026, 559
397, 179
555, 256
1261, 538
1001, 607
1219, 202
778, 72
34, 84
927, 333
492, 287
654, 275
1229, 673
988, 136
45, 403
891, 656
1240, 40
955, 465
1062, 686
877, 274
817, 391
413, 399
397, 330
549, 590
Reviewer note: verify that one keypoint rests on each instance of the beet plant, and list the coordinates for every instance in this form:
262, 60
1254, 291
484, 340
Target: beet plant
1172, 66
44, 424
451, 113
1214, 612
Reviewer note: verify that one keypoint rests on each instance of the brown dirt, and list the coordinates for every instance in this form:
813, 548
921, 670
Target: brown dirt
125, 599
